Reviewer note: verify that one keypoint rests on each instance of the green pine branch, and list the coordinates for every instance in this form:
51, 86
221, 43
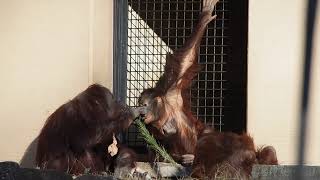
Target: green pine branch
151, 141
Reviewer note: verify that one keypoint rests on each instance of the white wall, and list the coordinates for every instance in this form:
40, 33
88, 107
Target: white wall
48, 51
101, 41
275, 56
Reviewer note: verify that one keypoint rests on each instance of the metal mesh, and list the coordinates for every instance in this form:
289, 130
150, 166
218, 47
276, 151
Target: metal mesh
156, 27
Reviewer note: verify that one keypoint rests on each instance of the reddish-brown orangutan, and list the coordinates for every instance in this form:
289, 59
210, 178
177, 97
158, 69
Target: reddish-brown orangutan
229, 155
169, 117
166, 104
75, 138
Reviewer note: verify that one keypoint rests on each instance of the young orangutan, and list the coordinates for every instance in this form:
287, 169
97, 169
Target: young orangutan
169, 117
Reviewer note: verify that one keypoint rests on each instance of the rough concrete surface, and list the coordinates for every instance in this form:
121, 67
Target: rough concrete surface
12, 171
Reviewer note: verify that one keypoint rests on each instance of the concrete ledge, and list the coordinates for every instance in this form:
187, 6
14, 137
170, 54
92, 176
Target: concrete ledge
95, 177
170, 170
264, 172
259, 172
12, 171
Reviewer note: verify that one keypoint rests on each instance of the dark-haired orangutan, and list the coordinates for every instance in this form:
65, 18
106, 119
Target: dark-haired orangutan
229, 155
80, 135
169, 117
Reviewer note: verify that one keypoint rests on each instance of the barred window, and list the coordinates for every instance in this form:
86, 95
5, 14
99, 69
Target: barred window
154, 28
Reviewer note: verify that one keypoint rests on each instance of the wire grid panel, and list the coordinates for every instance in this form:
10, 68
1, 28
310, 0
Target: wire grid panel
158, 27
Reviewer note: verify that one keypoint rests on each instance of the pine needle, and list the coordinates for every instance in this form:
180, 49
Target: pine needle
151, 141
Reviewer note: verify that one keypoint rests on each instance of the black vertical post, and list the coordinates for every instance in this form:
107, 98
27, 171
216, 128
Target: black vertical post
310, 21
120, 49
236, 96
120, 39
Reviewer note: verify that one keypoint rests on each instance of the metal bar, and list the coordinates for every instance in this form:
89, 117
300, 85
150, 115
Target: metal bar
310, 19
120, 50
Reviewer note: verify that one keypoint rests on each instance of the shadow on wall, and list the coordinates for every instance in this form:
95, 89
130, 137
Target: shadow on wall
29, 156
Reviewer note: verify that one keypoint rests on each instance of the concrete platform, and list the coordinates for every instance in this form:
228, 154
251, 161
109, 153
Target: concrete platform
259, 172
12, 171
264, 172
